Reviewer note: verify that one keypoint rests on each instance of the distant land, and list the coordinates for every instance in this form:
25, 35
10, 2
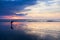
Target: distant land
29, 20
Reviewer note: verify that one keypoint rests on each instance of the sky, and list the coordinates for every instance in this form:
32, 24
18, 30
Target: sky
29, 9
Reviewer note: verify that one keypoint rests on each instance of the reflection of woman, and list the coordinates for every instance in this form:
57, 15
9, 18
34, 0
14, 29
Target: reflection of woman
11, 24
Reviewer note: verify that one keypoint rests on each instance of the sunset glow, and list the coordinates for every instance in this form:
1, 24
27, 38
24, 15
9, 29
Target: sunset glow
29, 19
13, 17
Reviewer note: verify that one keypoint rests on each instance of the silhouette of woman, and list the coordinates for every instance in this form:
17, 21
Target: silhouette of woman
12, 24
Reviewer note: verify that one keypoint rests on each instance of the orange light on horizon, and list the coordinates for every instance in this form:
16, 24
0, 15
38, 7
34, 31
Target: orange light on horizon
13, 17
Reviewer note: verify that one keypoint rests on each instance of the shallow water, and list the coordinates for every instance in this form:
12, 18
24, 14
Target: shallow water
30, 30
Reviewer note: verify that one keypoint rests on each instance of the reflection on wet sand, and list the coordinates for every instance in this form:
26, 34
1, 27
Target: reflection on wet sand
32, 30
39, 28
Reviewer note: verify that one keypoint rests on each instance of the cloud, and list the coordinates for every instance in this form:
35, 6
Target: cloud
32, 8
42, 8
10, 7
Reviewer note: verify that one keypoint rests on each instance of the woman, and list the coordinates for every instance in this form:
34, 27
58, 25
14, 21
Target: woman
11, 24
